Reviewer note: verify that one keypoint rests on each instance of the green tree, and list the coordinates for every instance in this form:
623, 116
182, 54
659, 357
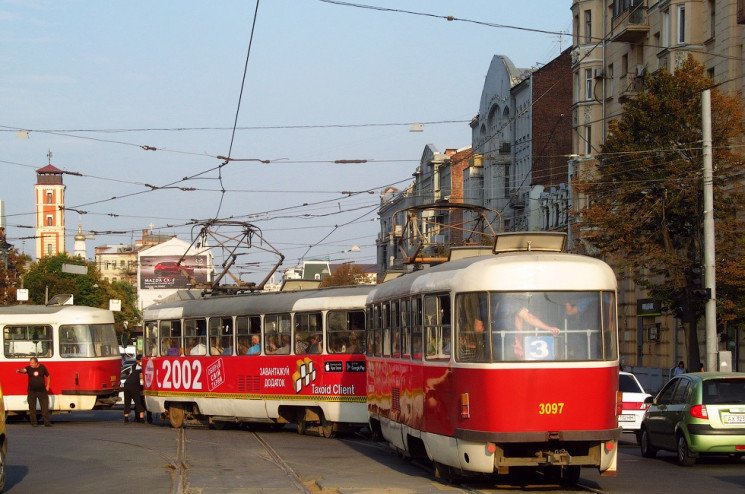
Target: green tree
645, 197
45, 279
11, 272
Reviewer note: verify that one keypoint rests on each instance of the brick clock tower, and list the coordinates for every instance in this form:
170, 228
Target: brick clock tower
50, 211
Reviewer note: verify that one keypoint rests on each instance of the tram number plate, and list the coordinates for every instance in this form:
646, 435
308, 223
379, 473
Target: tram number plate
733, 419
626, 418
539, 347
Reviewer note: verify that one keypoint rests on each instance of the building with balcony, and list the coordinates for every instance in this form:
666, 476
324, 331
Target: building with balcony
615, 44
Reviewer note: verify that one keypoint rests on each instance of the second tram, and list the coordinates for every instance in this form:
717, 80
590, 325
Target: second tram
490, 363
277, 358
76, 344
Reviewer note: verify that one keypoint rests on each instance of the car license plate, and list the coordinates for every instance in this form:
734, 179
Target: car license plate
626, 418
733, 419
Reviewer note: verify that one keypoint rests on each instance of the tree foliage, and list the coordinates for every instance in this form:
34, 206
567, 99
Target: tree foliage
345, 275
45, 279
646, 195
11, 274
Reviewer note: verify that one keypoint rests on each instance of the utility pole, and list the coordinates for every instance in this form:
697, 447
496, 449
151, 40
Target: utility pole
709, 254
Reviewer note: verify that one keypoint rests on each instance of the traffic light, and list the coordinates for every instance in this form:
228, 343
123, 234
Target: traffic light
697, 279
698, 291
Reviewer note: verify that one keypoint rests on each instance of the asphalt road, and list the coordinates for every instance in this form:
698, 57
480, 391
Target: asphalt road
97, 453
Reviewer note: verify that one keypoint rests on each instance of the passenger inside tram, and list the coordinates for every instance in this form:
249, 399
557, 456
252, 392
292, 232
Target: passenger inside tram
196, 347
255, 347
315, 344
242, 345
215, 347
284, 346
227, 345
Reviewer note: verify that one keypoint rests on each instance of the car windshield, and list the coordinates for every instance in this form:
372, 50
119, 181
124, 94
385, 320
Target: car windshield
727, 390
627, 384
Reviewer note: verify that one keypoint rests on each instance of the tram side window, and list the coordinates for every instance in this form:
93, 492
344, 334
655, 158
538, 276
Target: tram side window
385, 313
308, 333
377, 331
151, 338
221, 335
27, 341
195, 336
248, 333
277, 334
87, 340
103, 339
395, 329
416, 329
346, 331
609, 328
170, 338
472, 311
437, 326
405, 328
371, 329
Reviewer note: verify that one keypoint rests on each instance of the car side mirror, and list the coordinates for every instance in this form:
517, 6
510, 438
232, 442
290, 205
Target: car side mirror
649, 400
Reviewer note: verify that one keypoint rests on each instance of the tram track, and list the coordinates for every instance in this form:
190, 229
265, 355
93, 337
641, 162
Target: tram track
179, 466
277, 459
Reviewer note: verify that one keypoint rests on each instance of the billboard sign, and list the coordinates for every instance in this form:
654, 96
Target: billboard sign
165, 272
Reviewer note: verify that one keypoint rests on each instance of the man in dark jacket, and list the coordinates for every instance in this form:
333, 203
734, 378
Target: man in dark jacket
133, 392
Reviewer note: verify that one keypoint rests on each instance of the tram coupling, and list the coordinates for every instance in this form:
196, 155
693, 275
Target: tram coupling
557, 457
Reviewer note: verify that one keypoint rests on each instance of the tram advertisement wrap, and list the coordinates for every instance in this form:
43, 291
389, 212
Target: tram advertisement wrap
321, 375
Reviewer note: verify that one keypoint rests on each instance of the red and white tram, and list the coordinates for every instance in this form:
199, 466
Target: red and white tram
76, 344
494, 362
281, 357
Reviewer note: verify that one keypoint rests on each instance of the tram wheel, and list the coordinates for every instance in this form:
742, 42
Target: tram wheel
176, 416
326, 431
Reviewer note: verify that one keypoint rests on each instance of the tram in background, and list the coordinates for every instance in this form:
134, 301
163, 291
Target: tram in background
489, 363
76, 344
277, 358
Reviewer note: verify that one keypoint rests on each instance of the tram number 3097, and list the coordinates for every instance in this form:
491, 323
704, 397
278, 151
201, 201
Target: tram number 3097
182, 374
550, 408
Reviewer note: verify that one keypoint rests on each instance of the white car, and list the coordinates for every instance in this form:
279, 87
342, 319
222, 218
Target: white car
632, 403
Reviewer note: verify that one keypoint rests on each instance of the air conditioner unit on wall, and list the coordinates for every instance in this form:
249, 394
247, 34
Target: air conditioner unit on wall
640, 69
598, 74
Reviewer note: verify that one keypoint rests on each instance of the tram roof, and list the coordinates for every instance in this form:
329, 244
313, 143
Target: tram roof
267, 303
508, 271
45, 309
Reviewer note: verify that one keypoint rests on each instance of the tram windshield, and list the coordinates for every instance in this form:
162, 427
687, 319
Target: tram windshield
535, 326
88, 340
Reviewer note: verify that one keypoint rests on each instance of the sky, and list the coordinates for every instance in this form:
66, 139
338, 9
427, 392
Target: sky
138, 99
